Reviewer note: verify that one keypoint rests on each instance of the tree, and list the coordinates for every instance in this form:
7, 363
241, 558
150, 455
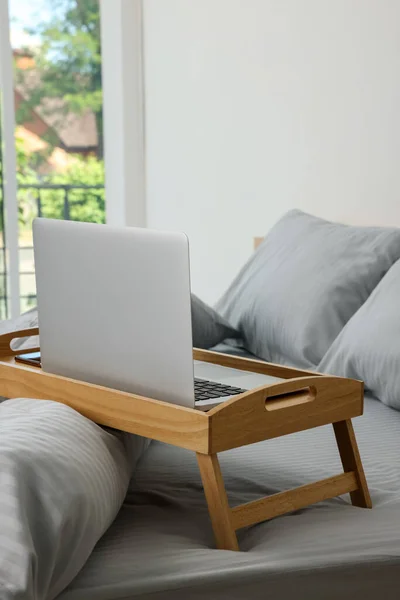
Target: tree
67, 62
84, 180
85, 204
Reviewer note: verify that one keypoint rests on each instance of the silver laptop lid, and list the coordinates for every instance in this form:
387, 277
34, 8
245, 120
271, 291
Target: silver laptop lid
114, 307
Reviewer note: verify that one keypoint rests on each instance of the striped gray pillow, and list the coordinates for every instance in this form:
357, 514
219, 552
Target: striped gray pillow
306, 280
62, 482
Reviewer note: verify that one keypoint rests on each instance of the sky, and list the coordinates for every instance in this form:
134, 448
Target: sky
25, 13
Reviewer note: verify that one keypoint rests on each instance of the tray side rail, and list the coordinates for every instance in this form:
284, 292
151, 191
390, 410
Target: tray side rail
283, 408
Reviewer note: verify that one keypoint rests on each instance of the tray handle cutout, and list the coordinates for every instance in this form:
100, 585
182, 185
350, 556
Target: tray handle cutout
301, 396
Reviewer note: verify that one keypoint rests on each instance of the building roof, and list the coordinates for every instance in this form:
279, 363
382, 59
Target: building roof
59, 160
76, 132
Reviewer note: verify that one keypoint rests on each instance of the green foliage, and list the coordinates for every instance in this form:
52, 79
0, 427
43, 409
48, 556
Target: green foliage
25, 171
83, 204
25, 175
68, 62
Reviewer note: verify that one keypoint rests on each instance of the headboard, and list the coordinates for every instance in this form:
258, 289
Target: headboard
257, 241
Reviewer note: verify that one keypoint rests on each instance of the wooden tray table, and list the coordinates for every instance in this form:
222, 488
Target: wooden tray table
303, 400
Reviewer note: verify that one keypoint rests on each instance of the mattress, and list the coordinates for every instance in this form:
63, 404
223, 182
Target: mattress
161, 544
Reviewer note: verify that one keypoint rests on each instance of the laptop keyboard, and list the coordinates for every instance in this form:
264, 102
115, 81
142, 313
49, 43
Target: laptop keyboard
204, 390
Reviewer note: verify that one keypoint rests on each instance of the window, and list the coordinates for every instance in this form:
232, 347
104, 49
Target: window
57, 93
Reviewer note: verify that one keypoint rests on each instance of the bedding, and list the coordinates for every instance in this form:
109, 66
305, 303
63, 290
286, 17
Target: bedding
160, 546
208, 327
62, 482
234, 350
368, 346
302, 285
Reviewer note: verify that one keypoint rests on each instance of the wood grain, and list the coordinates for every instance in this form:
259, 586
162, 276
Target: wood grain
218, 507
158, 420
7, 338
284, 502
249, 364
246, 420
351, 460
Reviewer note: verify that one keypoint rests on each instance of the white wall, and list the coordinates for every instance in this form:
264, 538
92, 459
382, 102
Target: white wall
258, 106
123, 111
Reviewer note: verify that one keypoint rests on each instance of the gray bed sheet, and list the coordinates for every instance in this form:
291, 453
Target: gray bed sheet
161, 544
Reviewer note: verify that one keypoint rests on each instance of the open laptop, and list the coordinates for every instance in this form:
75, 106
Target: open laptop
114, 310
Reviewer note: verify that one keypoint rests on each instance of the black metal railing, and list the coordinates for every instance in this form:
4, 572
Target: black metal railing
94, 191
76, 202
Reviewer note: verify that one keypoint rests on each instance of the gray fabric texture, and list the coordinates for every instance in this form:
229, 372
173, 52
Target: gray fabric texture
62, 482
226, 348
161, 546
208, 327
368, 348
302, 285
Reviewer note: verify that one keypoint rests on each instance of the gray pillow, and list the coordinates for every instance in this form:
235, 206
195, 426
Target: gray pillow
63, 480
208, 327
306, 280
368, 348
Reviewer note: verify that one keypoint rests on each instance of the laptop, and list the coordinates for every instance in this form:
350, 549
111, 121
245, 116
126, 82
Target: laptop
114, 309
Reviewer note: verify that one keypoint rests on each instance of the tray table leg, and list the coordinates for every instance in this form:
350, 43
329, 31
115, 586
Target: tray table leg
220, 512
351, 461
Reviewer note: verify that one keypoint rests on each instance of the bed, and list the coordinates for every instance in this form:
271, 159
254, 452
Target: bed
160, 545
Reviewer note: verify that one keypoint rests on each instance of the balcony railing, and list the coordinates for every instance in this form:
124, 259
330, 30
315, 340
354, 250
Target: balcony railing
77, 202
60, 199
